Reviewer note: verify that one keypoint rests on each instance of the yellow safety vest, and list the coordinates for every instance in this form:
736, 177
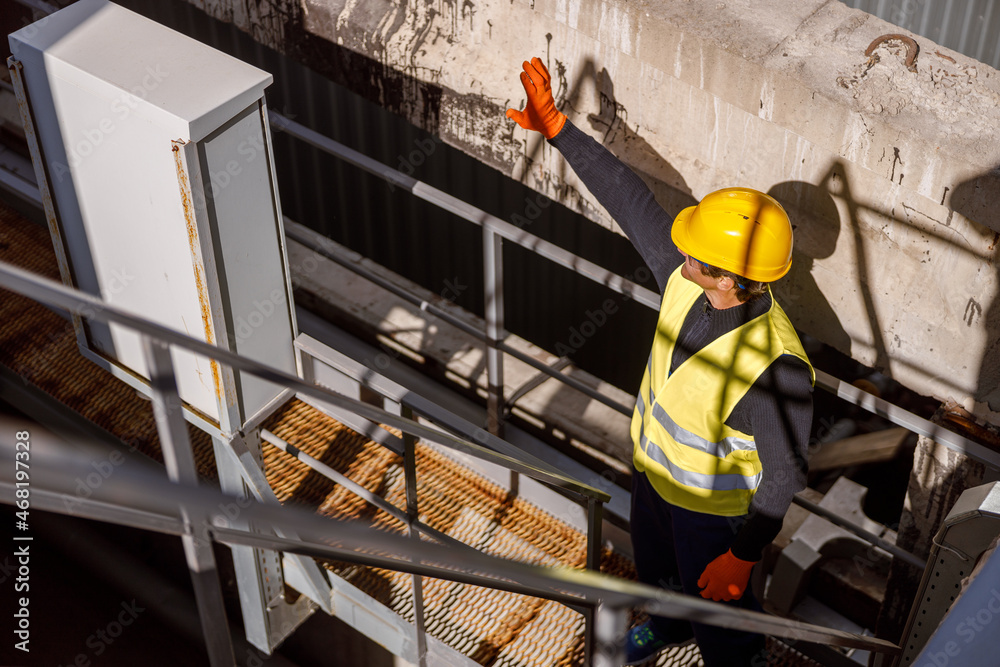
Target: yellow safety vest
680, 439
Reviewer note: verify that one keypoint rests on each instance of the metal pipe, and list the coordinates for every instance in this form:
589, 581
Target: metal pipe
142, 490
88, 508
412, 516
566, 379
610, 624
539, 581
907, 419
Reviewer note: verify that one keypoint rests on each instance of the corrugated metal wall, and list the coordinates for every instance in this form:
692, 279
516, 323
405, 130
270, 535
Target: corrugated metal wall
971, 27
441, 252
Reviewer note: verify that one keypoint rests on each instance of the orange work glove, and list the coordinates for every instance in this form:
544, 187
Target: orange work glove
540, 113
725, 578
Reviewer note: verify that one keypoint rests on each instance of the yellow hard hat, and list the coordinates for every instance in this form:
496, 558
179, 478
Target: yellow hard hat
737, 229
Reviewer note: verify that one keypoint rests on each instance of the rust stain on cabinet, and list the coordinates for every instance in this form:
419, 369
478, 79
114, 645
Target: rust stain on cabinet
191, 224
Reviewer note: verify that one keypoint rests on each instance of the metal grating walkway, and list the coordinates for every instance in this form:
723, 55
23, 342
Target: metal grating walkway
491, 627
40, 348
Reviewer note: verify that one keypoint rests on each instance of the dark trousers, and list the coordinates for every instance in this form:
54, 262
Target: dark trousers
672, 547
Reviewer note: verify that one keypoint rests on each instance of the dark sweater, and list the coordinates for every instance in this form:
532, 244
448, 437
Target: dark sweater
777, 410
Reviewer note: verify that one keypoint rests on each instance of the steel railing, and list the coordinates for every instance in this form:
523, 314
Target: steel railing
178, 506
174, 439
58, 296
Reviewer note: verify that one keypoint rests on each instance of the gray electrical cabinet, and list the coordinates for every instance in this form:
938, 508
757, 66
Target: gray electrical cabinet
154, 154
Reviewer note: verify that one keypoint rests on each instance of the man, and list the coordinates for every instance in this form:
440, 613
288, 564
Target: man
723, 415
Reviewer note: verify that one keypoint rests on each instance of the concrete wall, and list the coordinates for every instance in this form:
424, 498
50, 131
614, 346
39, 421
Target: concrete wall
891, 176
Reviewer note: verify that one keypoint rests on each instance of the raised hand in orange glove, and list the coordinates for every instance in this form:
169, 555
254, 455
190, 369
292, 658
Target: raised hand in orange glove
725, 578
540, 113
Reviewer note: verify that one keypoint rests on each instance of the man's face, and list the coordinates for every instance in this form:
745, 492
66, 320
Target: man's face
691, 270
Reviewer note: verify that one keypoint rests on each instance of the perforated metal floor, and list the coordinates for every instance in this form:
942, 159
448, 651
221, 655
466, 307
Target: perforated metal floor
39, 346
492, 627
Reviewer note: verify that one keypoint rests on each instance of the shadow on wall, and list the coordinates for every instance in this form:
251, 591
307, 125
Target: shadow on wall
816, 223
978, 199
667, 184
836, 181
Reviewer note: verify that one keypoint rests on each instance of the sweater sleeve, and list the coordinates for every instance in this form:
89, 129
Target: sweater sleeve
626, 198
780, 408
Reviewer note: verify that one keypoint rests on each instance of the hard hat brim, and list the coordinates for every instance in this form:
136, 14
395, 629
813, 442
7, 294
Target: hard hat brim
701, 249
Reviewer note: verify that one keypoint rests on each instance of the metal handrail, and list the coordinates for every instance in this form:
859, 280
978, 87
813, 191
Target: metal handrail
56, 295
198, 511
305, 236
124, 494
467, 211
132, 496
180, 463
359, 490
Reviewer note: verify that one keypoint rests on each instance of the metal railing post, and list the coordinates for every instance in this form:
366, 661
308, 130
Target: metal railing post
493, 306
179, 461
595, 519
494, 312
609, 630
413, 515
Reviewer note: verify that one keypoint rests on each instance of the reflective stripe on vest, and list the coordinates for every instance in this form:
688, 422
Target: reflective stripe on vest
680, 440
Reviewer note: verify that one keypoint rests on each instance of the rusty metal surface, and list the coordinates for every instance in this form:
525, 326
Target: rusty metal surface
911, 48
492, 627
191, 224
971, 27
